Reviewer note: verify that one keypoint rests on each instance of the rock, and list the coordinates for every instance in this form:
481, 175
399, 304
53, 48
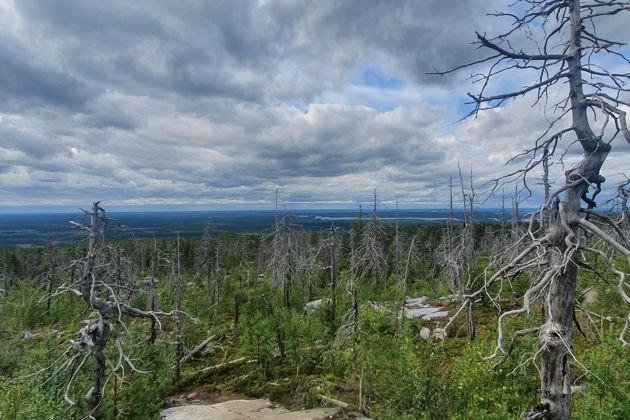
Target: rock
191, 395
416, 308
243, 410
419, 312
425, 333
27, 335
310, 306
439, 314
416, 301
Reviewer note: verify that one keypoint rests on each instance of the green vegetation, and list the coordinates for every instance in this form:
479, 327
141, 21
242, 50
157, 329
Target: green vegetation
358, 350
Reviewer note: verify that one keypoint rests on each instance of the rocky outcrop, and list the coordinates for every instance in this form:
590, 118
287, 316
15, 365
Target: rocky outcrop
243, 410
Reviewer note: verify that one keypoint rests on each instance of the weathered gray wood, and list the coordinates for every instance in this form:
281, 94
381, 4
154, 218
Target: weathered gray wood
561, 60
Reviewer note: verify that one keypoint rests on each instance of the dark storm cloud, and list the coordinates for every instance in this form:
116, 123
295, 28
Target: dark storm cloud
258, 51
24, 83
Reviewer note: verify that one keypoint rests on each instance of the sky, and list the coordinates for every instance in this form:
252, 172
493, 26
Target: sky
211, 105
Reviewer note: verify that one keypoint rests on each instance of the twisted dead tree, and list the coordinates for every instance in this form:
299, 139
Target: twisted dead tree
107, 312
558, 41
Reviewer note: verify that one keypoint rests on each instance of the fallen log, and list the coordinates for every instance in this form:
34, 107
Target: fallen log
226, 364
197, 349
333, 401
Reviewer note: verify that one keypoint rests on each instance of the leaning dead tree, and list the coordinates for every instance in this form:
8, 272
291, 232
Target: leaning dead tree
559, 42
106, 321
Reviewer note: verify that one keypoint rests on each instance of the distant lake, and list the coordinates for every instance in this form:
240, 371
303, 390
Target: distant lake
37, 229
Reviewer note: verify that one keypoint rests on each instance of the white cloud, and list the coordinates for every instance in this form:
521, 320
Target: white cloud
220, 102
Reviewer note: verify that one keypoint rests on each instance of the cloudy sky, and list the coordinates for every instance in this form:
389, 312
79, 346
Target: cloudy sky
193, 104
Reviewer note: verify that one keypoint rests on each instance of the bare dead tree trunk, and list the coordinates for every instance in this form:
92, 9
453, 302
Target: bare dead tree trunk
406, 273
370, 254
107, 309
217, 281
355, 313
5, 282
99, 331
333, 277
502, 207
515, 204
560, 60
624, 194
284, 249
463, 191
546, 187
152, 281
50, 273
237, 302
179, 344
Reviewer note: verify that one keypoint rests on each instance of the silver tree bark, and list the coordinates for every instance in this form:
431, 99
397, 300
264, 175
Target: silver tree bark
560, 58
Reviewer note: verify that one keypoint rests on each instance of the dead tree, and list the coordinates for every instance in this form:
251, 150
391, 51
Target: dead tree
151, 282
208, 263
565, 52
123, 271
4, 278
175, 273
332, 245
623, 193
284, 254
370, 254
107, 312
456, 248
49, 276
544, 220
307, 264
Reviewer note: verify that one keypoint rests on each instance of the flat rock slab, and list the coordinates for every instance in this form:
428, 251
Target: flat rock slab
412, 313
416, 301
438, 314
243, 410
416, 308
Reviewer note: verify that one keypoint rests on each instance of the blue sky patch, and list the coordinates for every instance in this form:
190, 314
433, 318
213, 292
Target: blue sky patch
375, 78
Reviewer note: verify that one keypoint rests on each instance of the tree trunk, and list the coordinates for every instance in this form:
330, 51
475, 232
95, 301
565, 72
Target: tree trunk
555, 334
333, 281
554, 339
100, 335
